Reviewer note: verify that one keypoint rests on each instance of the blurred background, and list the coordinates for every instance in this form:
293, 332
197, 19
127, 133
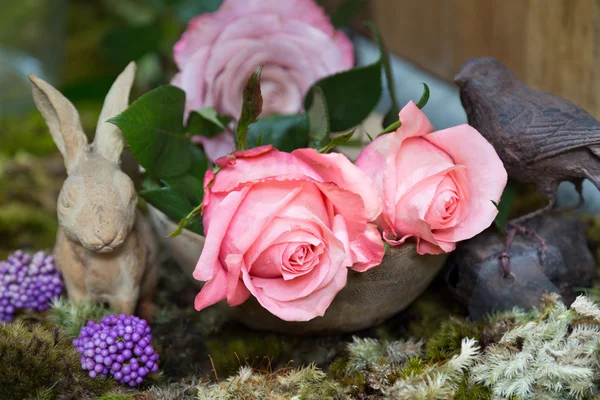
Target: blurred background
81, 45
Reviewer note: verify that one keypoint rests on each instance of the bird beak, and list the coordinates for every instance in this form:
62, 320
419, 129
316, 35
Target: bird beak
460, 80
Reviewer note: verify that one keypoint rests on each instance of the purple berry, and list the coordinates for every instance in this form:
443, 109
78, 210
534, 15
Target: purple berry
105, 347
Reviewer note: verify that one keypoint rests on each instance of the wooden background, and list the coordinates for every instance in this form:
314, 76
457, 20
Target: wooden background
553, 45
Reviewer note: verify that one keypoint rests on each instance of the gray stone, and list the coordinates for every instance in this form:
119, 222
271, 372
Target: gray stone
474, 275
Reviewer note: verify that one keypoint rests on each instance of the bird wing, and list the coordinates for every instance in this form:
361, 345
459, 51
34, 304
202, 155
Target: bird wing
549, 125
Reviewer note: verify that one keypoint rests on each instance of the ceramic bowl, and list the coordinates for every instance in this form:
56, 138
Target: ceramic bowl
368, 298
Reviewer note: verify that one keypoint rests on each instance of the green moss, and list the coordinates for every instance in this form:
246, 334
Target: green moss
308, 383
355, 382
71, 317
37, 361
446, 342
414, 366
472, 391
230, 352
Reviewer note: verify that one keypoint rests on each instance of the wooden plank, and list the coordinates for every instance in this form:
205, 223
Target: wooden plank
553, 45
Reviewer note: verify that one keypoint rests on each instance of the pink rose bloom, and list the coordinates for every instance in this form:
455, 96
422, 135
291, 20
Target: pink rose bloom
294, 39
436, 186
285, 228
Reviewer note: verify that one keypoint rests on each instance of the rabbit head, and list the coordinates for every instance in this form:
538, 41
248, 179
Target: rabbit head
97, 203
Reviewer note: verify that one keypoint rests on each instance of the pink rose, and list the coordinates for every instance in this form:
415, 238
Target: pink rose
294, 39
285, 228
435, 186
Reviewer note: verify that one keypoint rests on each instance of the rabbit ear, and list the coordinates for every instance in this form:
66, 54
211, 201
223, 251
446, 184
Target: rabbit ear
109, 139
62, 120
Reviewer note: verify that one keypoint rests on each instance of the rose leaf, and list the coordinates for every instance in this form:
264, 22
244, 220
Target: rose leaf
284, 132
153, 129
351, 95
251, 108
506, 203
318, 119
206, 122
173, 203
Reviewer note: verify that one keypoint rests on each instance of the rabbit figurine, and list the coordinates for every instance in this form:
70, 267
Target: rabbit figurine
104, 247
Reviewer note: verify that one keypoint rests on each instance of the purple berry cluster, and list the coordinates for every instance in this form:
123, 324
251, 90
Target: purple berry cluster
119, 345
28, 282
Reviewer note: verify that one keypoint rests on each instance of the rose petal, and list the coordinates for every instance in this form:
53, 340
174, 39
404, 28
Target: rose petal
486, 178
337, 168
305, 308
413, 206
208, 265
213, 291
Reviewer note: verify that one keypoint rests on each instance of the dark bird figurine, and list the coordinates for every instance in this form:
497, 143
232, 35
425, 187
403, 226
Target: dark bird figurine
541, 138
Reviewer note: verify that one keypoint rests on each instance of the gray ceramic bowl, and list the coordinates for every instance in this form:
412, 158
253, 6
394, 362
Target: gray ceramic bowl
368, 298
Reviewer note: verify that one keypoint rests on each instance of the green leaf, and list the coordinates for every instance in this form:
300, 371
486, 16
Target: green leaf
424, 97
206, 122
251, 108
125, 43
284, 132
318, 119
173, 203
336, 141
506, 203
350, 95
153, 128
346, 11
